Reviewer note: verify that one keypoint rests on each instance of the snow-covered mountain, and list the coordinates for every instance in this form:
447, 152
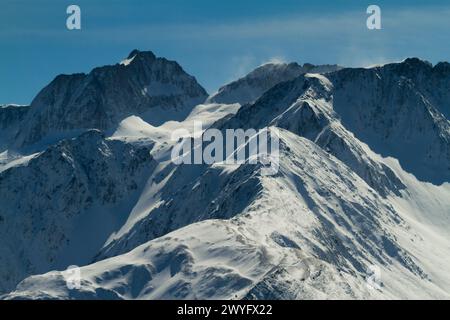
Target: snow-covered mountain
402, 114
249, 88
155, 88
10, 118
363, 182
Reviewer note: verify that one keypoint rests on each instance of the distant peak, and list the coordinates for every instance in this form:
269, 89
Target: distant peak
12, 105
271, 64
443, 67
133, 53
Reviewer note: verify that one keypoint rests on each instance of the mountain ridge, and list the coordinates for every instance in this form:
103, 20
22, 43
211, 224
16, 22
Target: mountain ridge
92, 101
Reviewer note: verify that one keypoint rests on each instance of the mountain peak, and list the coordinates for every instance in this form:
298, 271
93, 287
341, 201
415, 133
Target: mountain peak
102, 98
411, 67
146, 56
133, 53
442, 67
136, 52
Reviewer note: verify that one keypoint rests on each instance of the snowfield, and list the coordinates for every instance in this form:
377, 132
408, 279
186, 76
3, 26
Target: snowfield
363, 184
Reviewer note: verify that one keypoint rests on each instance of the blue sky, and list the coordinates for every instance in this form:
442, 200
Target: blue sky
216, 41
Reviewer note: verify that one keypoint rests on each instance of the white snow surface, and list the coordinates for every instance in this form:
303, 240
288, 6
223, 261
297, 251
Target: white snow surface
250, 256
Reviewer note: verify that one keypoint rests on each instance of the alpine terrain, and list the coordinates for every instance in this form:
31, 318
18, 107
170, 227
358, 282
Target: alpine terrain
359, 207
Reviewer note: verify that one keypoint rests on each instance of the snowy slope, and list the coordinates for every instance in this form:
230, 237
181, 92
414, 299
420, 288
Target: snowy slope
87, 185
363, 182
59, 206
